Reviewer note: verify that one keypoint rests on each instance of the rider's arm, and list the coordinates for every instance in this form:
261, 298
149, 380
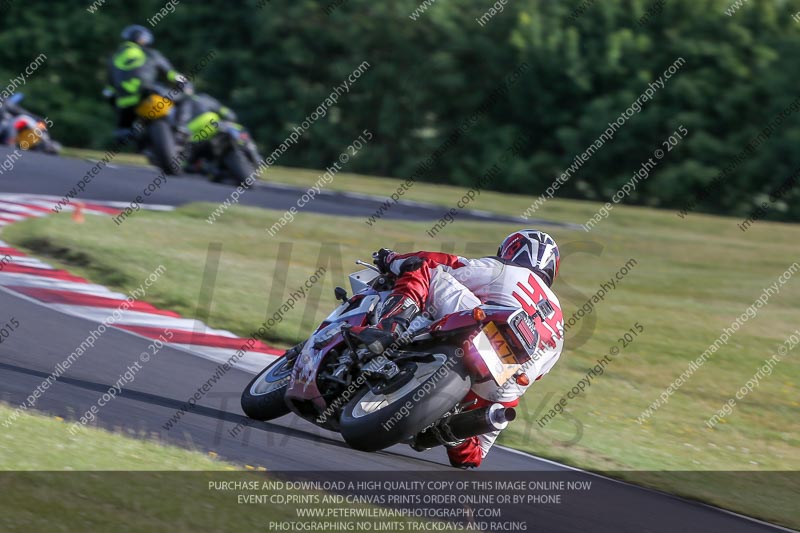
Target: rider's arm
165, 67
223, 111
432, 259
16, 110
227, 113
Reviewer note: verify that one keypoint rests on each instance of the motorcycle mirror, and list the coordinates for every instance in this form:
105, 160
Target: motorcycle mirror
340, 294
16, 98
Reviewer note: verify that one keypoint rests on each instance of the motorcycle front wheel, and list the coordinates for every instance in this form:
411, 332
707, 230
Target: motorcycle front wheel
264, 397
239, 166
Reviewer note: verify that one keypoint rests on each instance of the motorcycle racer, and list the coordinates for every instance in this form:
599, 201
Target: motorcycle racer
8, 111
197, 109
27, 130
520, 275
134, 66
204, 118
199, 113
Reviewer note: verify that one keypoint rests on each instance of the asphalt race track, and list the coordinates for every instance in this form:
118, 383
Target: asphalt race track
45, 336
42, 174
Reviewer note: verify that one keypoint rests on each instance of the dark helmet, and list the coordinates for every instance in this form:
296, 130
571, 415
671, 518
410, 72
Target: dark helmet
532, 249
137, 34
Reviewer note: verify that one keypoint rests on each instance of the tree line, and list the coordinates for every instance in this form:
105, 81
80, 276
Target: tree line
586, 64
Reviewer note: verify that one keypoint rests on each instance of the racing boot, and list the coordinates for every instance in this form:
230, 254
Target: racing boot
398, 312
466, 454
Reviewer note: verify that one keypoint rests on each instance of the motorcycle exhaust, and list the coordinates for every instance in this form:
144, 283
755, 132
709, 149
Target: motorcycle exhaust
456, 428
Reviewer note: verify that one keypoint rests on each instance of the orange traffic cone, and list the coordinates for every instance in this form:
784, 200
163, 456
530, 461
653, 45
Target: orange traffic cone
77, 213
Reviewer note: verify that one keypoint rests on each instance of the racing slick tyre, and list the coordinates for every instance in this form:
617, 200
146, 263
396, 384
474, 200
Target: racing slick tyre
164, 148
378, 418
264, 397
239, 166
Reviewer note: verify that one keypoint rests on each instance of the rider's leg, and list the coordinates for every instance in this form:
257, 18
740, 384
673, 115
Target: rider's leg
487, 393
403, 304
125, 118
471, 452
447, 295
396, 314
183, 114
433, 290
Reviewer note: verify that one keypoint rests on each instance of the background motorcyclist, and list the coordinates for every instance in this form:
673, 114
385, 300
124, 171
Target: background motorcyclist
133, 67
195, 105
200, 115
9, 111
519, 276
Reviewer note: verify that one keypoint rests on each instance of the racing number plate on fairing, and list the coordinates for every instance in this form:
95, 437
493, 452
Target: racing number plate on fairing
496, 353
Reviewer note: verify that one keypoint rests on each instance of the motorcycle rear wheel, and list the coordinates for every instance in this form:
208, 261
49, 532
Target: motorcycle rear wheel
372, 422
164, 147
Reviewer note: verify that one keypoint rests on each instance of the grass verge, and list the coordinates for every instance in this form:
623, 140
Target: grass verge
52, 499
97, 480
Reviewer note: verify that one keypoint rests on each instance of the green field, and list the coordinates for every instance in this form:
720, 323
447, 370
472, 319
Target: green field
84, 502
692, 278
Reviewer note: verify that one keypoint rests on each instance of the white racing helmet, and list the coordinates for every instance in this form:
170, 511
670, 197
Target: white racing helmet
532, 249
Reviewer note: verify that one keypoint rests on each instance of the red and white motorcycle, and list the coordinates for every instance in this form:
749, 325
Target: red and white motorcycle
26, 131
413, 392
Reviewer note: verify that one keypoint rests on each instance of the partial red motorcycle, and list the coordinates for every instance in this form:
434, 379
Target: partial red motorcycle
25, 130
413, 392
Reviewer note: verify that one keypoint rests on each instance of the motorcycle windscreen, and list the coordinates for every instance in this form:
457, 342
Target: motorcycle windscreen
360, 280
